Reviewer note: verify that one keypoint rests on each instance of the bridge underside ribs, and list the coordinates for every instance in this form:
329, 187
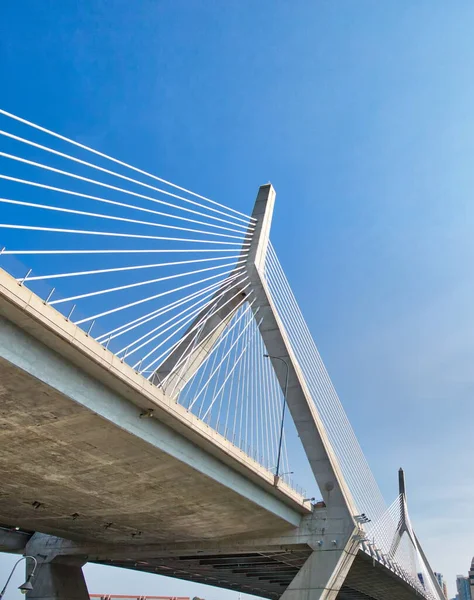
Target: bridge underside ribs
264, 574
259, 567
270, 574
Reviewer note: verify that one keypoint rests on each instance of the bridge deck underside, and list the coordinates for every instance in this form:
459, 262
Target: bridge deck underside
263, 574
369, 579
268, 574
68, 472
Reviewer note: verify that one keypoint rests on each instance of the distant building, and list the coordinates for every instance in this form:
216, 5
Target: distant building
445, 590
471, 578
440, 579
464, 591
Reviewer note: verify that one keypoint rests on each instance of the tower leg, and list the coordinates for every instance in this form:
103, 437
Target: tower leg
322, 575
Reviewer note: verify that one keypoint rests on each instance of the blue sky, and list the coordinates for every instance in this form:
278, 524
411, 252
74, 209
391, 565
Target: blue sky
361, 115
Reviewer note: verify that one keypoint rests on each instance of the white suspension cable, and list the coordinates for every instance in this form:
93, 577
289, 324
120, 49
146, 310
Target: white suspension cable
151, 364
112, 187
183, 397
114, 234
225, 377
269, 417
148, 282
126, 327
197, 308
244, 388
119, 162
243, 231
219, 348
130, 268
247, 397
113, 218
142, 300
233, 342
188, 352
184, 321
230, 373
185, 357
332, 424
251, 441
230, 398
210, 310
222, 338
237, 404
297, 310
132, 251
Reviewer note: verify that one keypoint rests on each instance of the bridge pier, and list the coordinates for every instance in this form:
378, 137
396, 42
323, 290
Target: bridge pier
59, 581
322, 575
57, 577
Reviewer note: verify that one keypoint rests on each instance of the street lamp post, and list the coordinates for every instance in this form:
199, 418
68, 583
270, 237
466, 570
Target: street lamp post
24, 587
277, 471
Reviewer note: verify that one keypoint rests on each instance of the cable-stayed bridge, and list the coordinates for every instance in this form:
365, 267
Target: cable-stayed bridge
159, 387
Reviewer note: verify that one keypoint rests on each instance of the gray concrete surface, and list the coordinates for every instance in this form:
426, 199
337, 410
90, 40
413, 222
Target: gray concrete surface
78, 461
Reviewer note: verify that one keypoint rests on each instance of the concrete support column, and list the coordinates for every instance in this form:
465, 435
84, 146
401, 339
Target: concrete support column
58, 581
323, 574
58, 576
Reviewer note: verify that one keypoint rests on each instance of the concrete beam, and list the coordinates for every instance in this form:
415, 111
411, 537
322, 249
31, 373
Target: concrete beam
13, 541
316, 531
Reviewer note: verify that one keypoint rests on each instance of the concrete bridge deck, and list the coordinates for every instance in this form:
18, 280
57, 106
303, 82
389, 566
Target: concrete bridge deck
78, 461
